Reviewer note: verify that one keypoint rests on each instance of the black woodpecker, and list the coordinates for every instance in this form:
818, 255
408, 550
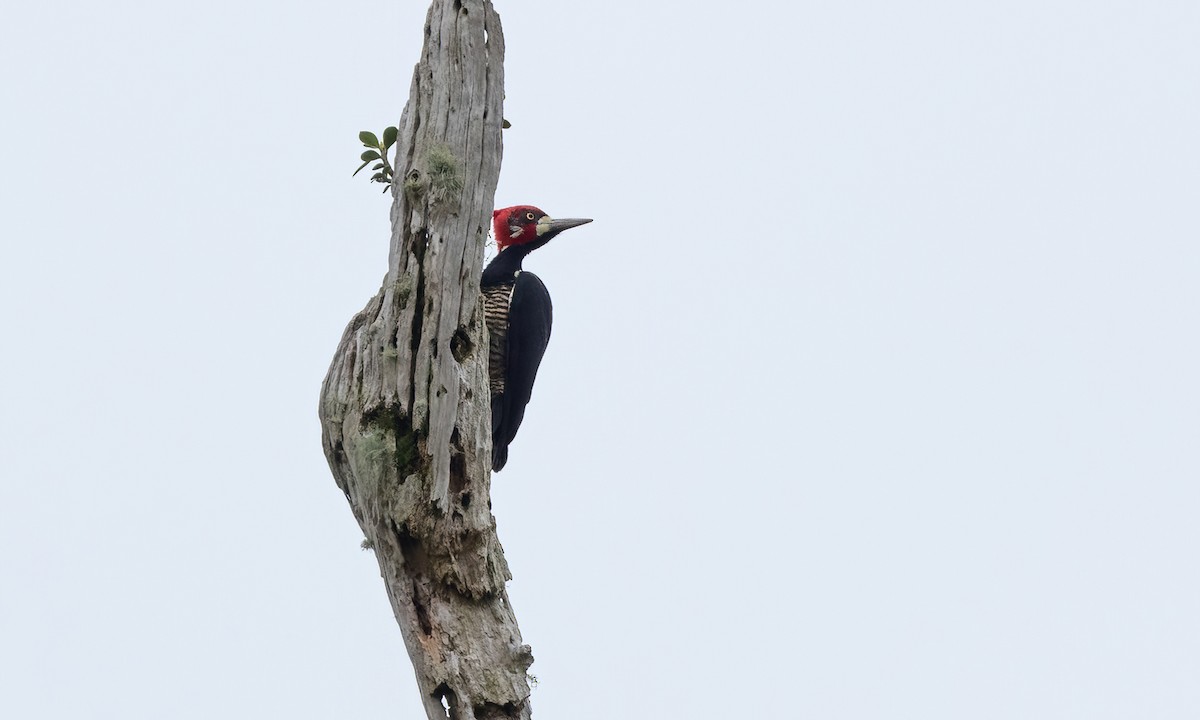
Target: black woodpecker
518, 314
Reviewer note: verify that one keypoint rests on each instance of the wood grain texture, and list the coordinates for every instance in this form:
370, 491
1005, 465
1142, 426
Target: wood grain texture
404, 408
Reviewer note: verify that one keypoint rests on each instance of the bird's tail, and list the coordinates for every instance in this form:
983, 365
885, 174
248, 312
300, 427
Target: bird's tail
499, 457
499, 443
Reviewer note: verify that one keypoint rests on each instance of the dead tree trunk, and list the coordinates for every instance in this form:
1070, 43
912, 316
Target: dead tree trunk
405, 407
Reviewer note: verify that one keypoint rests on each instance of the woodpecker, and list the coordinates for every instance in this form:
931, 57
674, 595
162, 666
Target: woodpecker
518, 315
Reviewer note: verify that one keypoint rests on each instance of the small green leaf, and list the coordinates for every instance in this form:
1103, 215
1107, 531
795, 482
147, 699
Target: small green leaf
368, 138
378, 177
370, 155
360, 167
505, 124
378, 166
389, 137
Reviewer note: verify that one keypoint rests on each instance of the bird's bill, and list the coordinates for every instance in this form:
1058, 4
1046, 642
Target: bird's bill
548, 225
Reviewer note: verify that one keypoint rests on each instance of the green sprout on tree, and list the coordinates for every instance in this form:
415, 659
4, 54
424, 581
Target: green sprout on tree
377, 151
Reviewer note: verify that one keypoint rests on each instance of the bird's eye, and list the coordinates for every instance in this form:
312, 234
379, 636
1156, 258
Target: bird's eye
528, 216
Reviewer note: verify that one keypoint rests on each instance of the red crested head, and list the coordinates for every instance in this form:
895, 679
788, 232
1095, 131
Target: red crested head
516, 225
524, 224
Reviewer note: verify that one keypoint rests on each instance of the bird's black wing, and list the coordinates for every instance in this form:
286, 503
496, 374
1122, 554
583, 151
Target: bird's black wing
530, 316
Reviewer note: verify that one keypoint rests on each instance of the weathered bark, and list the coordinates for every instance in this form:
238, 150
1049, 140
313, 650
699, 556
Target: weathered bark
404, 409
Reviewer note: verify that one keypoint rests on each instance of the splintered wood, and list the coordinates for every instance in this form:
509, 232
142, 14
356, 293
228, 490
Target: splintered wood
404, 408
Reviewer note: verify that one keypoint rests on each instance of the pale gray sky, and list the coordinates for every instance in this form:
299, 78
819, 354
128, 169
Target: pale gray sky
873, 389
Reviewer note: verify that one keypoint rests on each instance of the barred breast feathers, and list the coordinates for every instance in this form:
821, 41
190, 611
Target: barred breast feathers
496, 301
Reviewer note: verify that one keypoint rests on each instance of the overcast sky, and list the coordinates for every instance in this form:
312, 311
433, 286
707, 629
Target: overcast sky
873, 390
